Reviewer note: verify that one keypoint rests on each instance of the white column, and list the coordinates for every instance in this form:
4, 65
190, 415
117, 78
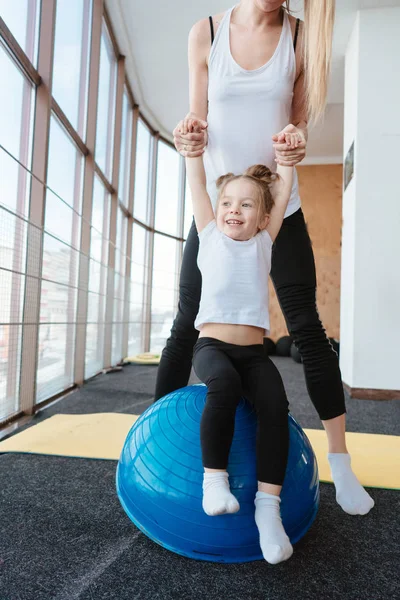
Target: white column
370, 280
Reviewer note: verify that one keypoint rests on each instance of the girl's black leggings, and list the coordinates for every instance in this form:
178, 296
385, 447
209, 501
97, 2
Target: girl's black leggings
293, 275
230, 372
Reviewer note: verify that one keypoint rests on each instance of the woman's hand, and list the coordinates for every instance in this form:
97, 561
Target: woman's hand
290, 146
191, 143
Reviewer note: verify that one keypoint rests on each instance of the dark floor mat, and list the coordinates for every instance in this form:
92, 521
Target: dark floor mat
64, 535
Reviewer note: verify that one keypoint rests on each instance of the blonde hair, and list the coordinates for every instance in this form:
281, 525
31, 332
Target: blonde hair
319, 16
261, 177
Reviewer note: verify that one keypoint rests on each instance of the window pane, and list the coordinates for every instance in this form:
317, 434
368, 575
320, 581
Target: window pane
16, 111
164, 290
188, 211
137, 289
71, 54
119, 287
120, 251
64, 193
98, 269
15, 184
56, 342
106, 105
61, 241
100, 223
167, 191
117, 330
126, 144
13, 235
64, 175
142, 173
21, 18
16, 124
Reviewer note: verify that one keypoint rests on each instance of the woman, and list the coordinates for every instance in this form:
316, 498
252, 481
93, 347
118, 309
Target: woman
250, 84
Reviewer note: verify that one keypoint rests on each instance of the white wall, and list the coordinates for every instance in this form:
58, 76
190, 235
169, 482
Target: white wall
349, 210
370, 293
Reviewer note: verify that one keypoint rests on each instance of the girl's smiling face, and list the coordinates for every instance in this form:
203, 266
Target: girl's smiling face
238, 213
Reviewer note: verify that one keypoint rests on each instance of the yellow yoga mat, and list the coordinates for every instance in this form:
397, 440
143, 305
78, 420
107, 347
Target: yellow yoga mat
375, 458
98, 435
146, 358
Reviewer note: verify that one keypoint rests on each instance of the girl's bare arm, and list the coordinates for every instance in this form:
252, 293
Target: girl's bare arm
202, 207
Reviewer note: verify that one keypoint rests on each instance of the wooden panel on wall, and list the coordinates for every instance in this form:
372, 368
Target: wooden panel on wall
321, 197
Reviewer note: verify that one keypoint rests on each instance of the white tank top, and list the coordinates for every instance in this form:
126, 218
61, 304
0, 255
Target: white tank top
234, 278
246, 108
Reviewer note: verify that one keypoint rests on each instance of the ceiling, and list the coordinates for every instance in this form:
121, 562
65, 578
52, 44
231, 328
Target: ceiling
152, 34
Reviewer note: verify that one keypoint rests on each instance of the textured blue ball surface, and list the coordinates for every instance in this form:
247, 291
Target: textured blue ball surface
160, 475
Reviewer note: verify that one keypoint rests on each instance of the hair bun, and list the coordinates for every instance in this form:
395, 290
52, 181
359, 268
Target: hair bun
261, 172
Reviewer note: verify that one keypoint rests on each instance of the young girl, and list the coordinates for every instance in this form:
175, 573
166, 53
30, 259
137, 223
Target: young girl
235, 260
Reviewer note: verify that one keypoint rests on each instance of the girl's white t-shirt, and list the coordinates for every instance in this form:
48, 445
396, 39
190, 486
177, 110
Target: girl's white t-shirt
234, 278
246, 108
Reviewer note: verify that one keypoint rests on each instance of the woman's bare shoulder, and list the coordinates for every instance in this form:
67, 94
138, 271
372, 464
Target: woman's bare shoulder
201, 29
200, 40
200, 35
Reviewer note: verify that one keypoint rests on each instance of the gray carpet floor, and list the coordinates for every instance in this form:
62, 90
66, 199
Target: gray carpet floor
64, 535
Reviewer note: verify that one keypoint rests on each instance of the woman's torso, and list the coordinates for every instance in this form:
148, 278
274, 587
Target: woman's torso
247, 107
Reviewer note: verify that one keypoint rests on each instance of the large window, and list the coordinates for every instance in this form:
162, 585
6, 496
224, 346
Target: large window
76, 292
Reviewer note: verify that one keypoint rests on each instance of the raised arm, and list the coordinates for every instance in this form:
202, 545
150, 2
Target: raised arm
202, 207
281, 191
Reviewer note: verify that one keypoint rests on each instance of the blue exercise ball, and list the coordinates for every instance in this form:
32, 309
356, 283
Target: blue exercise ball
160, 474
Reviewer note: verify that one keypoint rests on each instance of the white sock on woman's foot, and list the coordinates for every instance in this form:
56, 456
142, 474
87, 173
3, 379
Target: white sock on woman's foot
274, 542
350, 494
217, 496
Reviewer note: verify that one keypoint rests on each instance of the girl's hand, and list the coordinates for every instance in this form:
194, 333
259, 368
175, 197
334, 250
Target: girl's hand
290, 146
190, 136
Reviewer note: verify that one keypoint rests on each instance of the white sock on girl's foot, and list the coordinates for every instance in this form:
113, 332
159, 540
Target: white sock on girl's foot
350, 494
274, 542
217, 497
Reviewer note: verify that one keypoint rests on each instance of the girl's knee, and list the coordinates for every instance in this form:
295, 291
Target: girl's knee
224, 389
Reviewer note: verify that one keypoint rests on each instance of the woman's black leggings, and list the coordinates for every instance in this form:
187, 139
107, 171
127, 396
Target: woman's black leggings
230, 372
293, 275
